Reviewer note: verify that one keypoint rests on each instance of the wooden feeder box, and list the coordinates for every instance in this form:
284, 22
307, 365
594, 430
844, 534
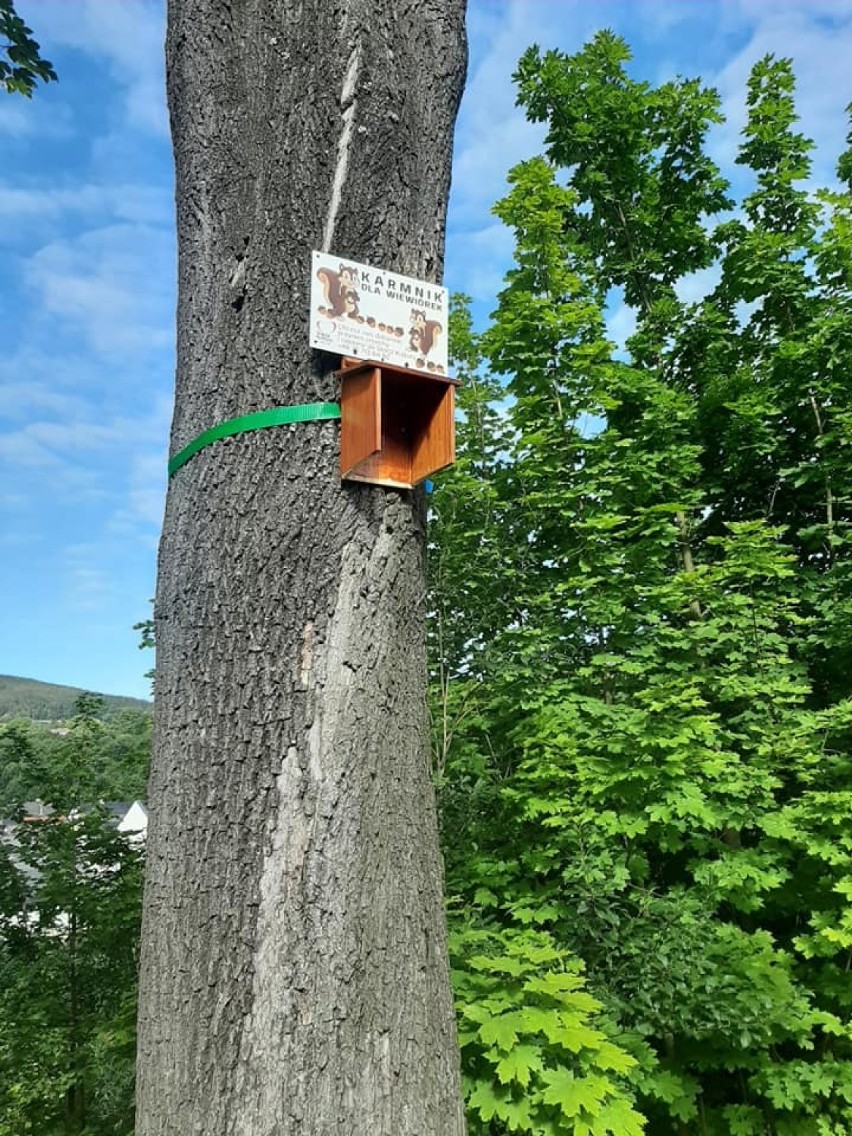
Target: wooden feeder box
396, 424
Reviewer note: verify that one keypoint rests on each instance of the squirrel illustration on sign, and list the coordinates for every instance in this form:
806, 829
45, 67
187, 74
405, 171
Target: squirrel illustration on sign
424, 333
341, 296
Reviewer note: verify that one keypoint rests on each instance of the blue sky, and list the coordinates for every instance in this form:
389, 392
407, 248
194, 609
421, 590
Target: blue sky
87, 288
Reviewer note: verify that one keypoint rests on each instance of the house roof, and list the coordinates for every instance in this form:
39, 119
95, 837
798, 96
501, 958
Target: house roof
36, 809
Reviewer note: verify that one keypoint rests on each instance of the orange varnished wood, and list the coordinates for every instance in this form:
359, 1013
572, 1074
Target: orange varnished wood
399, 421
361, 417
435, 446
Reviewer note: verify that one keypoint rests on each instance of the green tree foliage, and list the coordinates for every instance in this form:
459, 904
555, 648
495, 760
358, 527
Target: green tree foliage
146, 640
534, 1055
23, 64
70, 903
18, 741
38, 761
642, 704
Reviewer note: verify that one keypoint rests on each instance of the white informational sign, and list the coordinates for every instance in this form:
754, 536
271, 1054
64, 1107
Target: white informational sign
371, 314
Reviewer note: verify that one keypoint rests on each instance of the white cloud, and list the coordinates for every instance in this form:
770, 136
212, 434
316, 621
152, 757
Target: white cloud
810, 9
15, 121
143, 204
19, 400
477, 261
81, 437
88, 586
492, 136
141, 513
660, 18
20, 204
44, 116
696, 285
22, 449
118, 460
820, 49
128, 35
112, 285
492, 133
620, 324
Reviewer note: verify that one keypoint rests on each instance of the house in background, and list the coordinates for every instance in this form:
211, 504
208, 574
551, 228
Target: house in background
126, 816
130, 817
36, 810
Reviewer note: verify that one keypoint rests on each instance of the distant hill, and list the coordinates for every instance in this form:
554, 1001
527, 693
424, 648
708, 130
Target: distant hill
44, 701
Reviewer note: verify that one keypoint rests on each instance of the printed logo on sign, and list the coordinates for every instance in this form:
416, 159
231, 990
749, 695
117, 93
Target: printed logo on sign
368, 313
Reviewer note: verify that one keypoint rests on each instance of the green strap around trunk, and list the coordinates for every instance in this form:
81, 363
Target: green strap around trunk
275, 416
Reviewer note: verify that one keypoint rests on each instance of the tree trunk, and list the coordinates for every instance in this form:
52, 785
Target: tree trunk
294, 975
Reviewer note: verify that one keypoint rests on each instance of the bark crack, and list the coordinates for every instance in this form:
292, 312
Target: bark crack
348, 104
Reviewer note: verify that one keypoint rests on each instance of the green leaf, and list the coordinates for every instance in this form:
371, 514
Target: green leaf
618, 1118
519, 1064
487, 1100
501, 1031
574, 1095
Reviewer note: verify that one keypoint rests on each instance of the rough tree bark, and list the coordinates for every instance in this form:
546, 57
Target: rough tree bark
293, 973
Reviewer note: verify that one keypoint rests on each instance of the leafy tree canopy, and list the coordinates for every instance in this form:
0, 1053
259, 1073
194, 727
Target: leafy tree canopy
70, 905
23, 65
643, 612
